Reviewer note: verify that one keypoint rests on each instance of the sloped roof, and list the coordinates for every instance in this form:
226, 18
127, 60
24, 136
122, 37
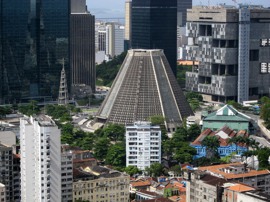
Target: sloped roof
140, 183
223, 135
241, 188
144, 86
217, 169
227, 113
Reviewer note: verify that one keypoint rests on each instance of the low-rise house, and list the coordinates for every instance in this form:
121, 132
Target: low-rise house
240, 192
223, 135
139, 185
142, 195
241, 173
100, 184
205, 187
227, 115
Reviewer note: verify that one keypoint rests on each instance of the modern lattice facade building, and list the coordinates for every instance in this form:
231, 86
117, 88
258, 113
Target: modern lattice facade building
232, 47
145, 86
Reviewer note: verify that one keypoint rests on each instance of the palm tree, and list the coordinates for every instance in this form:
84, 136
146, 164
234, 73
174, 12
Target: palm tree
212, 144
238, 140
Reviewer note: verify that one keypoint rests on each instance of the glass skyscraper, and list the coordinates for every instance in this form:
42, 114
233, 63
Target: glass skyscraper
33, 48
154, 24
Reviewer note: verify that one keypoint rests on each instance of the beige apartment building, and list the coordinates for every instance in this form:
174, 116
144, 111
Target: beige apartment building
100, 184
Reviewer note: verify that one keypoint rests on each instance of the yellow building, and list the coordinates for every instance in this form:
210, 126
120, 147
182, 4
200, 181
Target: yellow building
100, 184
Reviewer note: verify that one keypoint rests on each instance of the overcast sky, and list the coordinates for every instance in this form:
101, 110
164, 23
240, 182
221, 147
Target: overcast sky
115, 8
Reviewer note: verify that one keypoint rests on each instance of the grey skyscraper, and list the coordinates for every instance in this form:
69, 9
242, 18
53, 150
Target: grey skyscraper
34, 39
154, 24
232, 47
182, 6
82, 45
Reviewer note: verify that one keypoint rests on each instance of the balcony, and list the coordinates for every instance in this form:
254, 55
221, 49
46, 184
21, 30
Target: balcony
225, 55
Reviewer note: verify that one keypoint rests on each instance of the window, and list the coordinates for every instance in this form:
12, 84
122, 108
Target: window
253, 55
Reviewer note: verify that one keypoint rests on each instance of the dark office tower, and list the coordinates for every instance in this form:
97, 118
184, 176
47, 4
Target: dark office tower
182, 6
154, 24
34, 42
82, 45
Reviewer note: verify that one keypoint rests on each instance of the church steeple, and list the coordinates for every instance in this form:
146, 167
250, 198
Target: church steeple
63, 89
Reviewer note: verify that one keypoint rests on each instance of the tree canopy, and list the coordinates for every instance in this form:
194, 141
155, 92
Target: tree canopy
155, 170
212, 144
115, 132
116, 155
29, 109
107, 71
132, 170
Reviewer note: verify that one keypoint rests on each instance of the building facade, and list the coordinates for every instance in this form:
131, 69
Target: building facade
240, 173
231, 45
154, 24
143, 145
182, 6
223, 135
66, 176
100, 184
82, 45
114, 39
40, 159
2, 193
130, 100
128, 16
34, 41
229, 116
6, 167
208, 188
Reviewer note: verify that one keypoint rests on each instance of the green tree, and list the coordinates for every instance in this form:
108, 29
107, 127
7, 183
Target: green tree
4, 111
67, 136
176, 169
180, 135
115, 132
193, 95
168, 148
238, 140
157, 120
265, 113
193, 132
101, 147
184, 153
30, 109
263, 156
155, 170
116, 155
58, 112
107, 71
236, 105
87, 142
212, 144
132, 170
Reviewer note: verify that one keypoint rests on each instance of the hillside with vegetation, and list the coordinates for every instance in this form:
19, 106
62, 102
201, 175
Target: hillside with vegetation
107, 71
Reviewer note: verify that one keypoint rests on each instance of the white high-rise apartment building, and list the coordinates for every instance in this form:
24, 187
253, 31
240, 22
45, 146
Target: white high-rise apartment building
40, 160
143, 144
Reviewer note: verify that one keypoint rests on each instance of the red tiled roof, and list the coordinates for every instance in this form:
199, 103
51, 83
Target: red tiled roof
223, 141
217, 169
140, 183
241, 188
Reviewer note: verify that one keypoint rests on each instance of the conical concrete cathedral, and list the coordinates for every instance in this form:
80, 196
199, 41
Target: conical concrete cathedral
145, 86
